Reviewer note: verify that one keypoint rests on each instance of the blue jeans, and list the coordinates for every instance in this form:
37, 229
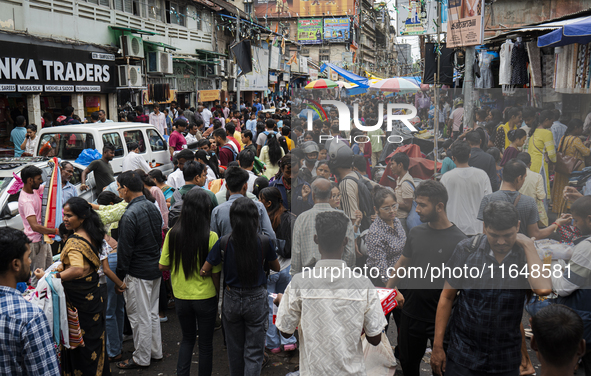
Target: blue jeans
534, 305
114, 318
245, 319
192, 313
277, 283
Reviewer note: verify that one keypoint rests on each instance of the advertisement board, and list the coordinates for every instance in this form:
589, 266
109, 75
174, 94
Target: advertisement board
310, 31
303, 8
258, 79
466, 26
420, 17
208, 95
336, 29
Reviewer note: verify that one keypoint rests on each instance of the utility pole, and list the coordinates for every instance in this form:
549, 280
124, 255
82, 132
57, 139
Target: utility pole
469, 86
436, 84
237, 41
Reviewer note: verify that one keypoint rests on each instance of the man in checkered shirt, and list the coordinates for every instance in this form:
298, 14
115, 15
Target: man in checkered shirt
26, 345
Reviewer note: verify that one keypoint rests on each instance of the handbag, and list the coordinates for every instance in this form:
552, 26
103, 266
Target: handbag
76, 339
566, 164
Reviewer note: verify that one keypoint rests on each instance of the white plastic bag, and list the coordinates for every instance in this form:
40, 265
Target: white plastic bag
379, 360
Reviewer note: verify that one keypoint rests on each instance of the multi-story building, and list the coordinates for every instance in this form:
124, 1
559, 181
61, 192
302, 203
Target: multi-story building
404, 61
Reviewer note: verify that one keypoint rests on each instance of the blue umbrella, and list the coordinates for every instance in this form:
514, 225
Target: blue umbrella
578, 31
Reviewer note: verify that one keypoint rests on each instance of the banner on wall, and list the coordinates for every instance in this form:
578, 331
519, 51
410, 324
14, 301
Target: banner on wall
310, 31
336, 29
420, 17
304, 8
313, 74
466, 26
208, 95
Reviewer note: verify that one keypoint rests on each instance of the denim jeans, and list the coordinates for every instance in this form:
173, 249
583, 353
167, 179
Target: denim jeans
245, 318
191, 313
535, 304
114, 317
277, 283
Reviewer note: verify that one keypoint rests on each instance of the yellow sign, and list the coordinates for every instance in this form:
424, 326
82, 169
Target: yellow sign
209, 95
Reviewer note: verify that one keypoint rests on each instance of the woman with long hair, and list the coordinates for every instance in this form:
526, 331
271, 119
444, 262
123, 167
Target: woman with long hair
160, 180
271, 154
282, 222
246, 257
185, 250
80, 279
541, 146
572, 146
517, 138
212, 164
283, 143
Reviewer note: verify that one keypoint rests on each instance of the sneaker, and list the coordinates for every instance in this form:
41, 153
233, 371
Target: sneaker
163, 319
290, 347
276, 350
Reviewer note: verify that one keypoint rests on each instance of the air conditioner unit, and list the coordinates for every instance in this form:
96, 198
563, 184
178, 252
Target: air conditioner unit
130, 75
232, 84
231, 68
132, 46
159, 62
223, 67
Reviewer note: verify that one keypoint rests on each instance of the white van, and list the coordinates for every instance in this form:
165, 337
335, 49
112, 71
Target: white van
68, 141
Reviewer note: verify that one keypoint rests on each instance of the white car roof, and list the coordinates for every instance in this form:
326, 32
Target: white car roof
74, 128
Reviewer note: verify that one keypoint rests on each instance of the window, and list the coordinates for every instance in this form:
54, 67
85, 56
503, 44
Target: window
324, 58
115, 140
199, 19
154, 10
104, 3
248, 8
135, 136
156, 142
176, 13
128, 6
75, 179
65, 145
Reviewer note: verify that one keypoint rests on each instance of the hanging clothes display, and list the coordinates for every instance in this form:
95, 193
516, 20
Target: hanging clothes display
505, 67
485, 81
519, 64
535, 65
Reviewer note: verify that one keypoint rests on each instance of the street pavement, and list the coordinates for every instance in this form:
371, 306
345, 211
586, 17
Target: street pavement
279, 365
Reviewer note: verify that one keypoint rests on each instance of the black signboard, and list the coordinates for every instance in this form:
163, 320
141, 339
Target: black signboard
29, 68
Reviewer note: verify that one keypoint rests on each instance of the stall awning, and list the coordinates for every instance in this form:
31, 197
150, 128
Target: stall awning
349, 76
576, 30
132, 30
160, 44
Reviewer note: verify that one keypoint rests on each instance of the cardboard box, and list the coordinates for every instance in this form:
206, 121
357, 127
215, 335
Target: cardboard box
387, 298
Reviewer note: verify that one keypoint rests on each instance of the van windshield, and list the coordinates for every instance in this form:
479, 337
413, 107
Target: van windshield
65, 145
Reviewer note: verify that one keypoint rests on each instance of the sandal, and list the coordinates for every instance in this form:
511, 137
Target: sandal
115, 358
130, 364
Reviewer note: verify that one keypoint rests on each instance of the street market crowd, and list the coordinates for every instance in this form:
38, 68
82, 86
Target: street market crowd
256, 198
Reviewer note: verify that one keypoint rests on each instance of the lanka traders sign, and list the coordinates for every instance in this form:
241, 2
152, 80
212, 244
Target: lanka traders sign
310, 31
29, 68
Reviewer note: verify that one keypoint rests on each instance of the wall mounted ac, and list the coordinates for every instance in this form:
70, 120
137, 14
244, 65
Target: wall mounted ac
132, 46
159, 62
130, 75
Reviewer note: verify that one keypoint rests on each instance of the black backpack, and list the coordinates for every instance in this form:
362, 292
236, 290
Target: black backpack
365, 202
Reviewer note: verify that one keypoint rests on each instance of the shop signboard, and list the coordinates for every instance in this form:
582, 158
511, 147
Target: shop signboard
275, 56
313, 74
310, 31
208, 95
258, 79
304, 8
336, 29
466, 26
419, 17
29, 68
303, 65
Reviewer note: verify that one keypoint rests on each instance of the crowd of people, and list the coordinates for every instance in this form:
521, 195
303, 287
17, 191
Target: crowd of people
246, 224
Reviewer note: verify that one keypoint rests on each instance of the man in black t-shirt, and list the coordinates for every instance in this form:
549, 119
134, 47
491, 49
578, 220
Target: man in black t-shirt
103, 172
430, 244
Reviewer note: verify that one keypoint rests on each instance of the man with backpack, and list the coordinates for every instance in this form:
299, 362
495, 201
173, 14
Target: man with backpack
68, 111
226, 153
195, 175
262, 137
405, 187
354, 193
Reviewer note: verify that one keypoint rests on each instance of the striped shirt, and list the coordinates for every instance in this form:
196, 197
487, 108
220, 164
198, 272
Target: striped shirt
26, 344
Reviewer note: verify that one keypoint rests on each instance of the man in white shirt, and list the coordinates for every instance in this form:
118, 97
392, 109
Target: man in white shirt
103, 117
158, 120
133, 160
226, 110
176, 178
193, 134
331, 306
466, 186
206, 114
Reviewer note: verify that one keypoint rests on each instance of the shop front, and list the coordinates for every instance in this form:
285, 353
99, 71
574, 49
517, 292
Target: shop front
37, 80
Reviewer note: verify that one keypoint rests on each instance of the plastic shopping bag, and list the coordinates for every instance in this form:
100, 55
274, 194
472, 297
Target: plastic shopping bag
87, 156
379, 360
